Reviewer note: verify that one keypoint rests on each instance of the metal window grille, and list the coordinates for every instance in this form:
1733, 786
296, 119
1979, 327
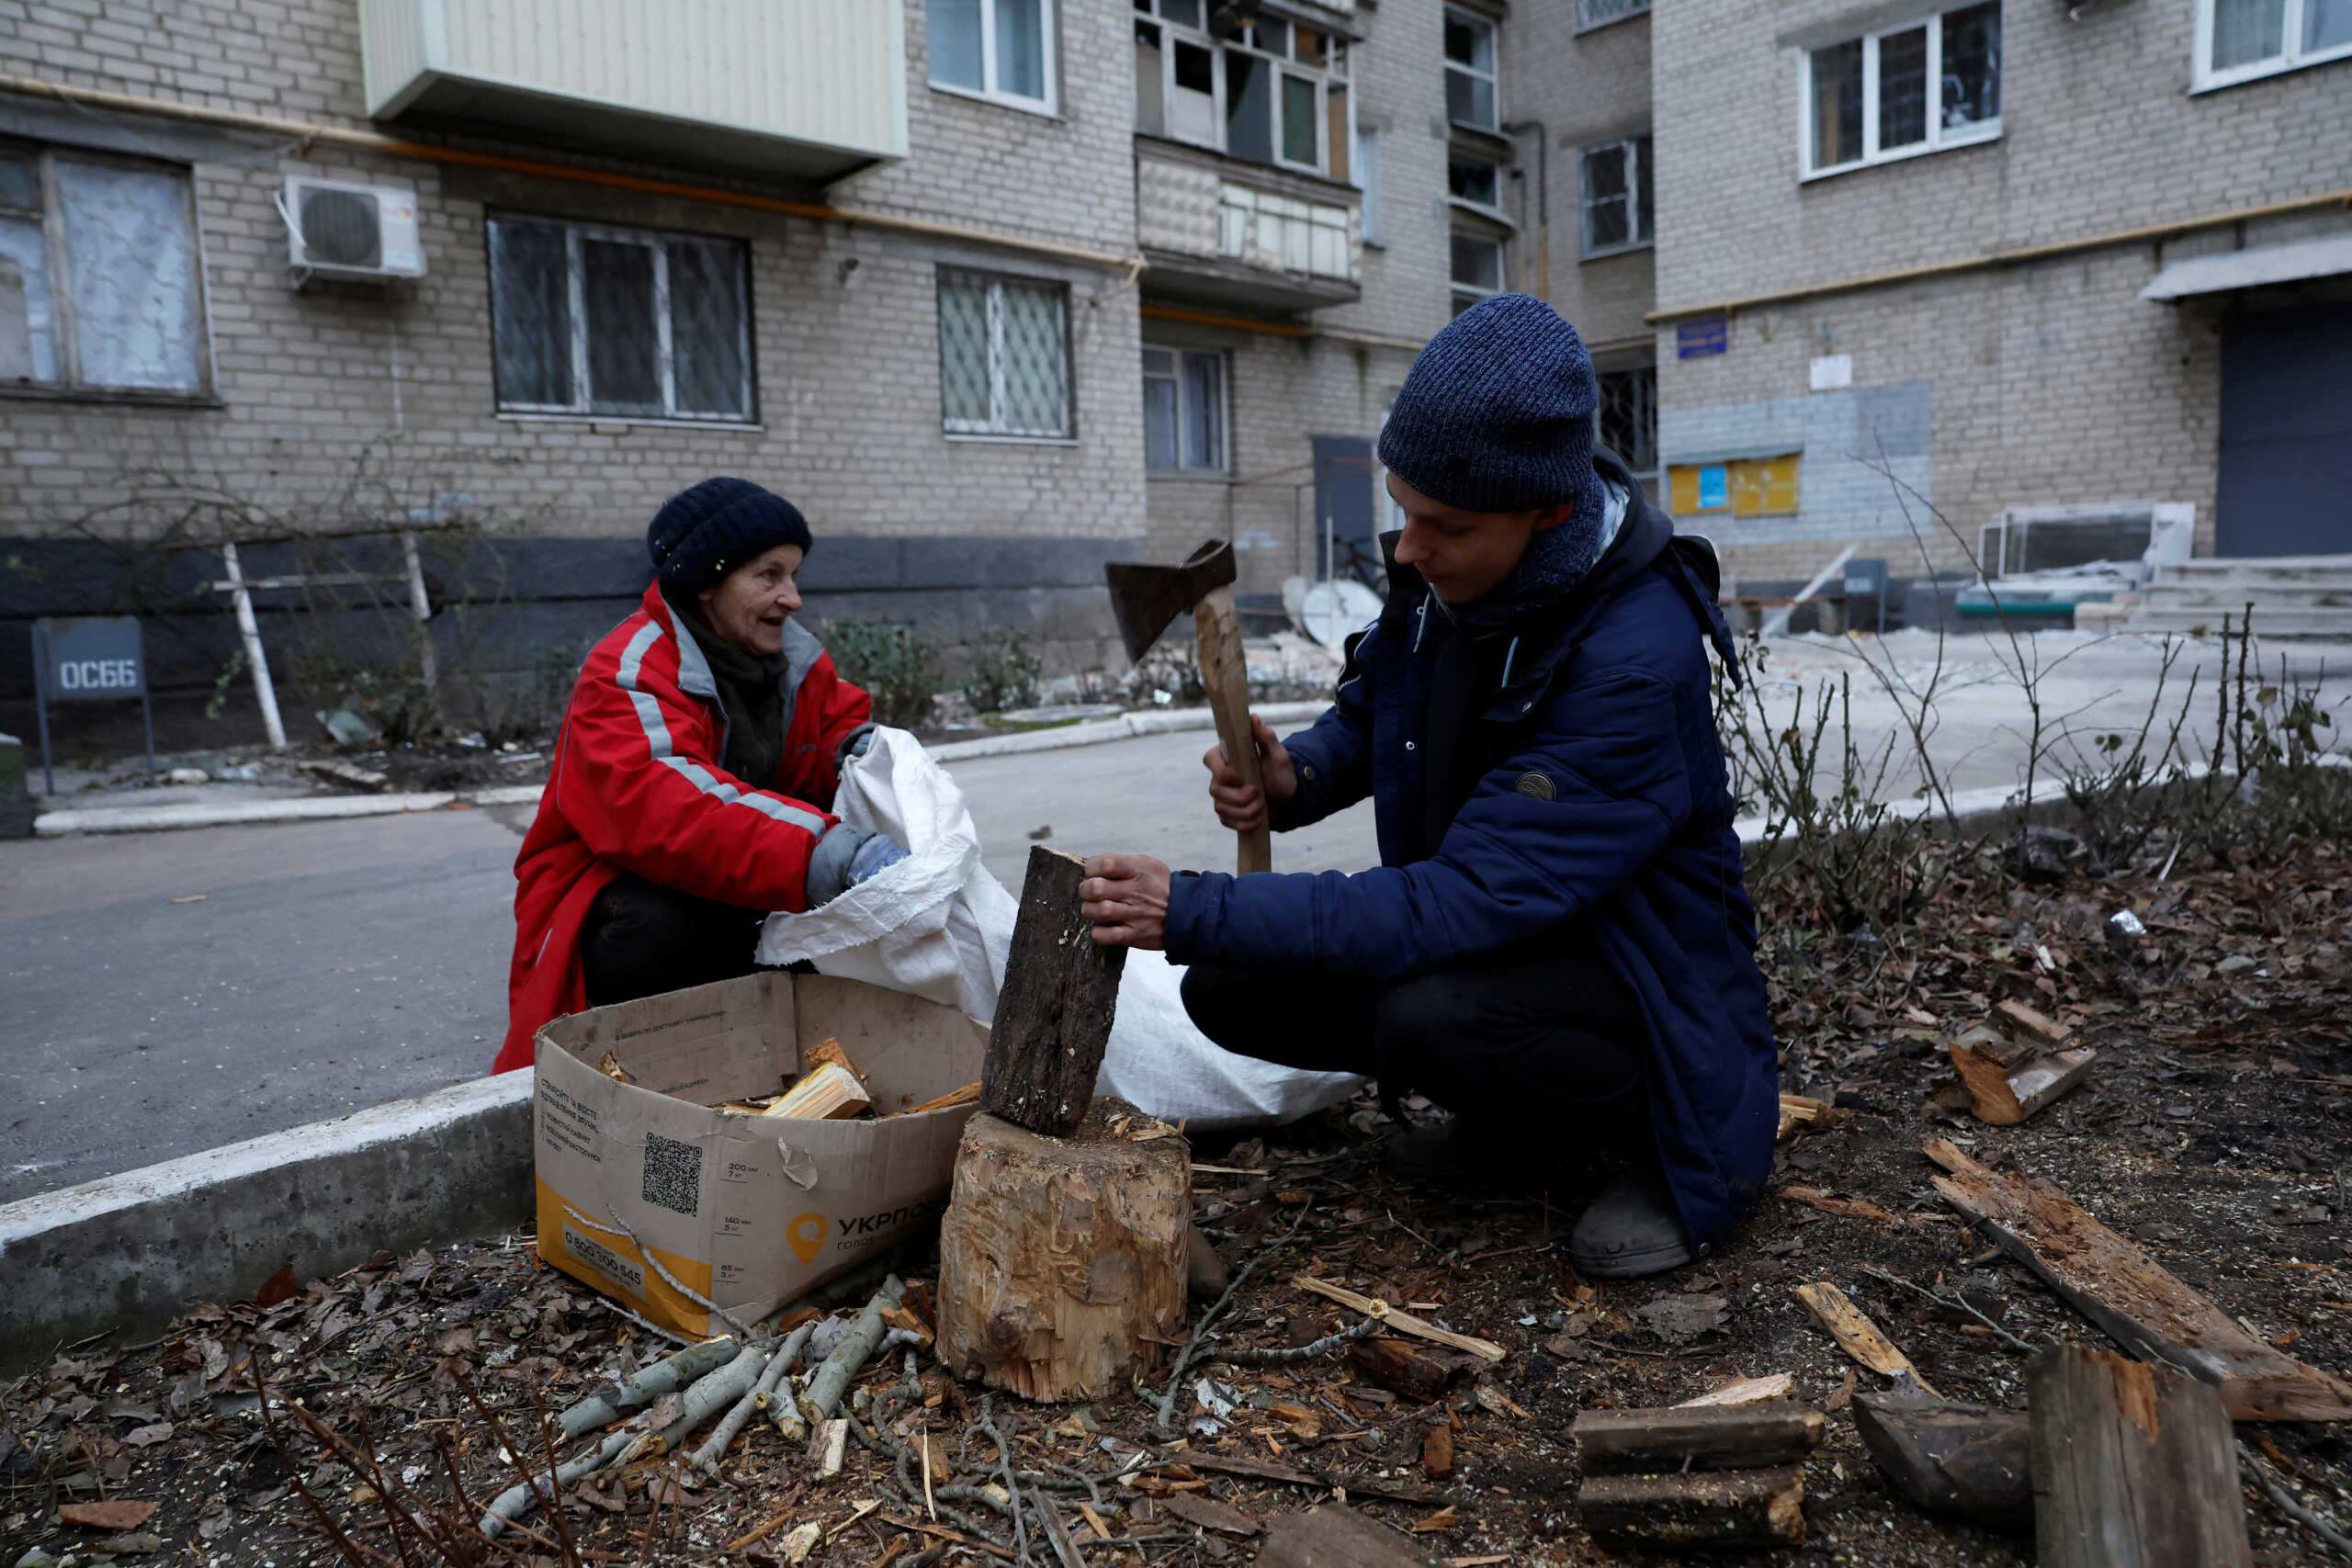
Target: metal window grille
1003, 355
1591, 14
588, 319
1627, 416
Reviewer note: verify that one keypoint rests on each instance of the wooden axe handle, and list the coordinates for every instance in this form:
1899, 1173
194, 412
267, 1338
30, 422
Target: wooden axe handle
1225, 672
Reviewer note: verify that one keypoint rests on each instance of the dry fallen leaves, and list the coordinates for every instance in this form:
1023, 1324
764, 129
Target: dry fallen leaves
116, 1514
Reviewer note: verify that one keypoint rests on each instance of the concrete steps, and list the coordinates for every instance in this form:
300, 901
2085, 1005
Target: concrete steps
2293, 596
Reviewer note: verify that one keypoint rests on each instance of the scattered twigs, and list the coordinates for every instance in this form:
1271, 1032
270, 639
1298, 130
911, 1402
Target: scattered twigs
1012, 1486
830, 1381
555, 1514
706, 1458
352, 1550
705, 1399
1164, 1419
1951, 1303
1362, 1329
2287, 1505
602, 1407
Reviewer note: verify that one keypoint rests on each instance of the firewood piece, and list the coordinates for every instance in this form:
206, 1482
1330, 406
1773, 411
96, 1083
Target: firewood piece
1802, 1110
1402, 1321
832, 1447
828, 1052
2003, 1092
1393, 1364
1746, 1390
1437, 1450
1294, 1475
1335, 1536
1968, 1462
1733, 1508
1210, 1514
2134, 1466
1053, 1017
1856, 1333
2016, 1012
827, 1093
1062, 1260
2051, 1078
2132, 1298
1748, 1436
954, 1097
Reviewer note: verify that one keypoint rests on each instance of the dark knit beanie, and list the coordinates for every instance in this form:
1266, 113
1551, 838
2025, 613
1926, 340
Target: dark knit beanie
1497, 414
708, 530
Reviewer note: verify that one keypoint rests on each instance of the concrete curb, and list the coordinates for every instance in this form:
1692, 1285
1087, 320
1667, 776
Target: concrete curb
156, 819
129, 1252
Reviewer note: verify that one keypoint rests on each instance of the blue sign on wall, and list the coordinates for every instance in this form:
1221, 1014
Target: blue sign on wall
1714, 487
1702, 338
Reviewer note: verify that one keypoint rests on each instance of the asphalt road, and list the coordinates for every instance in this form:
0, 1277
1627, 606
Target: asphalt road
321, 968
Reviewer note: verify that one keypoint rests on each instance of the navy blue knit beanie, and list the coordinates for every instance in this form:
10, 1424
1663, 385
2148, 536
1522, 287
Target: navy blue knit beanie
708, 530
1497, 414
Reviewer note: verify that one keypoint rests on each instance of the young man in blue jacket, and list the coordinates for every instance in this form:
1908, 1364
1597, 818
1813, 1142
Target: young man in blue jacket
1557, 946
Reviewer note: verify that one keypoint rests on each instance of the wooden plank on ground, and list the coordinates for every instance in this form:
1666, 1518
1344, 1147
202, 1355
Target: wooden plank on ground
1731, 1507
1402, 1321
2134, 1466
1745, 1437
1335, 1536
1964, 1461
1856, 1333
2133, 1298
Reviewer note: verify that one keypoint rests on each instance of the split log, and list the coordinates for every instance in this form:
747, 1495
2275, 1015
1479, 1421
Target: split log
1856, 1333
829, 1092
1296, 1475
1053, 1017
1402, 1321
1967, 1462
1746, 1390
1061, 1270
1734, 1508
2134, 1466
1748, 1436
2132, 1298
2005, 1092
1335, 1536
1393, 1364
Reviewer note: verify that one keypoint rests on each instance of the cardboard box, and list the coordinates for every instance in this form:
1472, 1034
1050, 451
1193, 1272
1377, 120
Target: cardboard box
747, 1211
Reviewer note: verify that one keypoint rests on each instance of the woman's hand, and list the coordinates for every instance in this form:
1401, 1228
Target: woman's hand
1126, 897
1239, 807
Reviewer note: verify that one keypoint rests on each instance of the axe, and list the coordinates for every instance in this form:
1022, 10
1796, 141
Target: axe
1145, 599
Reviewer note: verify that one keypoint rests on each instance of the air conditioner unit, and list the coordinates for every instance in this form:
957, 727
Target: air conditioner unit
334, 229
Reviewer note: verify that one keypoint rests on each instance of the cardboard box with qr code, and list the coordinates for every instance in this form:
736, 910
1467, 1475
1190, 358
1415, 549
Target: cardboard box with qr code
669, 1151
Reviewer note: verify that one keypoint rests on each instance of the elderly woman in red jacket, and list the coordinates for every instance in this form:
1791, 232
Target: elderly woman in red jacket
692, 784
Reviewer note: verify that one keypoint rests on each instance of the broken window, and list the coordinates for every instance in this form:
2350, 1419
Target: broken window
1003, 355
1614, 190
1470, 70
2238, 39
590, 319
1270, 91
1626, 417
1474, 180
1904, 90
1183, 409
1477, 270
998, 49
100, 285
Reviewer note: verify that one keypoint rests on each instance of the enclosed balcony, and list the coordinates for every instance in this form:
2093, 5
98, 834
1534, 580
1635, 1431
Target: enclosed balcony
801, 90
1213, 232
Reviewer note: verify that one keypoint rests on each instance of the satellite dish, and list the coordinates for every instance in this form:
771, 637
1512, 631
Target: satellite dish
1329, 611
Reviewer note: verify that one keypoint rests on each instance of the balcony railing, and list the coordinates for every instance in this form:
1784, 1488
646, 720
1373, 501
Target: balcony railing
808, 89
1213, 229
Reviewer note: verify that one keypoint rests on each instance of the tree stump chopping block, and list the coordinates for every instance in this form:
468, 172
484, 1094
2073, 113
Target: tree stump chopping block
1062, 1260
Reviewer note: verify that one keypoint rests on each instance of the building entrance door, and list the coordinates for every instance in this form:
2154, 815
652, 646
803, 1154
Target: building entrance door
2286, 469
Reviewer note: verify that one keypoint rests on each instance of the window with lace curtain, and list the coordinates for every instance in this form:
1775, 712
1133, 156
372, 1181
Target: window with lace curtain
1003, 355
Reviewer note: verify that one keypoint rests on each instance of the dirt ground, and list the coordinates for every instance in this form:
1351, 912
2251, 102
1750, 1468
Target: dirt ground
2212, 1131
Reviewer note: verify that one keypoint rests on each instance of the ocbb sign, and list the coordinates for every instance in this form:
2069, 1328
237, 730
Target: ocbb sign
86, 658
98, 677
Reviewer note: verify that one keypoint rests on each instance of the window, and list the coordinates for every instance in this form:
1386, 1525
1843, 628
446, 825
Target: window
1470, 70
1283, 232
1477, 270
1368, 143
1613, 183
1003, 355
1591, 14
1000, 50
101, 288
1627, 417
2240, 39
586, 318
1739, 487
1183, 410
1474, 180
1907, 90
1273, 92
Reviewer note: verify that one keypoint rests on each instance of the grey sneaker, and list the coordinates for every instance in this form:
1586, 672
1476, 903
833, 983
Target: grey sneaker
1630, 1230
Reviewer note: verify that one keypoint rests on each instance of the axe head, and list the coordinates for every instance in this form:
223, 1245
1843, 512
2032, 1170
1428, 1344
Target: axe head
1145, 599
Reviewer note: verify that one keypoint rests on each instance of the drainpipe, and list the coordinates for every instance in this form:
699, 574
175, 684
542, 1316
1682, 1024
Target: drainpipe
1543, 202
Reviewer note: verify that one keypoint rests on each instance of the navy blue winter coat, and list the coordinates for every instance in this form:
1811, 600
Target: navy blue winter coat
1607, 697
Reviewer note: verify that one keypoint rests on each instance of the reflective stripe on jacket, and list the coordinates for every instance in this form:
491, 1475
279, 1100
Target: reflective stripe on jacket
637, 786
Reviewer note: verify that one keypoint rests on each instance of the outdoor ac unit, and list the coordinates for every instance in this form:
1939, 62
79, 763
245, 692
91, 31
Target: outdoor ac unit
338, 230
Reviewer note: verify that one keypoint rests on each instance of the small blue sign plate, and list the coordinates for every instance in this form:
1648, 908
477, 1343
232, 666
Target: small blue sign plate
1714, 487
1699, 339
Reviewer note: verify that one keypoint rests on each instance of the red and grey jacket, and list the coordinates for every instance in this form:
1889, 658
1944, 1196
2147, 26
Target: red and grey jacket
637, 786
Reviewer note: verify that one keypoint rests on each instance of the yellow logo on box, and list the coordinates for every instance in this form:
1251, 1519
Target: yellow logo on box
806, 1236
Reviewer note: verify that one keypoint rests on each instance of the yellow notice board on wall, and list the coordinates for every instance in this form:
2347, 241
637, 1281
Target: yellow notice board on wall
1739, 487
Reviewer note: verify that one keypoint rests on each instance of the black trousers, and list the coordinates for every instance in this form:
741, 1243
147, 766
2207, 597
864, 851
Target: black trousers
1543, 1045
641, 939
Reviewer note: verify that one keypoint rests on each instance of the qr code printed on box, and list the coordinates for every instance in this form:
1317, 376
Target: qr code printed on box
672, 1174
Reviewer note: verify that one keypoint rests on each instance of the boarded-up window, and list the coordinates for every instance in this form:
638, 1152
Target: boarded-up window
1739, 487
590, 319
100, 282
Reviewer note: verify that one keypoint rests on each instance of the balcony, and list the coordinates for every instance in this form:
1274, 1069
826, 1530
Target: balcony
803, 90
1225, 233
